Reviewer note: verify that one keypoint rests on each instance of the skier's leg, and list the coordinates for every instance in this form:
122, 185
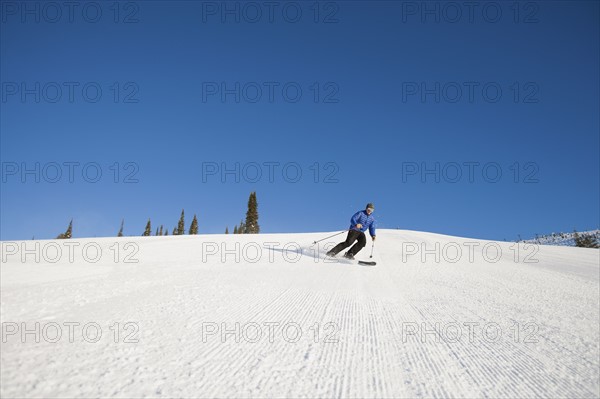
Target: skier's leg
352, 234
360, 244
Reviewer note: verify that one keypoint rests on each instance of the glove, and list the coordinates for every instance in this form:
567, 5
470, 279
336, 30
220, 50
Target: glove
373, 238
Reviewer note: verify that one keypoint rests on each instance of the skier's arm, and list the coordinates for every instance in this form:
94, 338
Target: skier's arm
372, 230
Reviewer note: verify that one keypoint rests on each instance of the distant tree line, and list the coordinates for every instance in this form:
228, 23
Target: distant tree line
178, 230
590, 239
247, 226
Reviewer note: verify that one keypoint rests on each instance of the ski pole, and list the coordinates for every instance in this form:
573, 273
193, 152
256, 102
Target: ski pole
372, 247
337, 234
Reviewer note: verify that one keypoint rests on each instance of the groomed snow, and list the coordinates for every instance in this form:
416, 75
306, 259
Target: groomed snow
252, 316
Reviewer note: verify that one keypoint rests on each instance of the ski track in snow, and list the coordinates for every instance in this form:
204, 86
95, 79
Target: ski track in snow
366, 345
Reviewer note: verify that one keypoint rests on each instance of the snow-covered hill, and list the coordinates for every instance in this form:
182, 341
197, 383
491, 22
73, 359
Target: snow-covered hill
267, 316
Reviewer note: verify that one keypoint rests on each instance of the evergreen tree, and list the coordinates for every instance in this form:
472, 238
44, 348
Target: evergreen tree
251, 226
166, 232
242, 227
227, 230
181, 225
67, 234
148, 229
156, 232
235, 229
160, 231
586, 240
575, 237
120, 233
174, 233
194, 226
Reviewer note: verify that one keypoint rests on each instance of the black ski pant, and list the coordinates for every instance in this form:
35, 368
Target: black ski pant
353, 235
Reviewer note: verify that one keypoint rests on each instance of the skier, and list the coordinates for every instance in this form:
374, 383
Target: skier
360, 222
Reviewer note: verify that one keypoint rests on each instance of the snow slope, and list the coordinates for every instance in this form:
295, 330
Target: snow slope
252, 316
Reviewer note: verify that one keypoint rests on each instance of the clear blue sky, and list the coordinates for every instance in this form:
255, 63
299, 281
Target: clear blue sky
380, 102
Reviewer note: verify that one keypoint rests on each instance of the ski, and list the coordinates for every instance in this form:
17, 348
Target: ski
364, 262
348, 260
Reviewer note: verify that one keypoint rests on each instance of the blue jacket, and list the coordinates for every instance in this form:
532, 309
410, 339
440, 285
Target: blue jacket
367, 221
